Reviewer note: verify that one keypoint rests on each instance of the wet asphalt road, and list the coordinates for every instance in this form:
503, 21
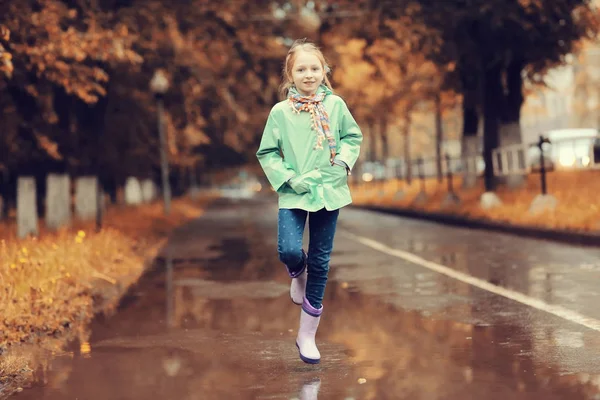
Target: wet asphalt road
220, 324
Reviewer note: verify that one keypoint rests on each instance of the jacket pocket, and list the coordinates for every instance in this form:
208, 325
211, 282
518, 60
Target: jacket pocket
338, 176
306, 180
311, 178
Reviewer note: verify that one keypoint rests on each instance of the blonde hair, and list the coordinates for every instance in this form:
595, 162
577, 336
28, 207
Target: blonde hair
304, 45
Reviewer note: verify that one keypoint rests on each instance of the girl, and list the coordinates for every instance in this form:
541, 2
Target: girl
309, 146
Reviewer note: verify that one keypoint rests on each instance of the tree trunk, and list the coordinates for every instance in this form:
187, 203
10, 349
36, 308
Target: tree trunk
439, 136
492, 95
4, 198
510, 127
193, 177
470, 140
510, 133
372, 153
383, 137
406, 136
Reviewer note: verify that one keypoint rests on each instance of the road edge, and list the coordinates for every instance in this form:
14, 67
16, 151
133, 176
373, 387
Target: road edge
555, 235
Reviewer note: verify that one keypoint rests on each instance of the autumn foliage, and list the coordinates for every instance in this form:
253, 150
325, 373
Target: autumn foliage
74, 75
74, 83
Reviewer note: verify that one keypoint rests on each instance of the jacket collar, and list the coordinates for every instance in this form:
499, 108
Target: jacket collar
321, 89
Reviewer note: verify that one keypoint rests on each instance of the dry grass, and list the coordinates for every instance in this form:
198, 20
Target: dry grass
576, 192
49, 284
52, 286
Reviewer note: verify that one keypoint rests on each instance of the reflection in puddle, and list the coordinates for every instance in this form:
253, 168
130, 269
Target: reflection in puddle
226, 330
310, 389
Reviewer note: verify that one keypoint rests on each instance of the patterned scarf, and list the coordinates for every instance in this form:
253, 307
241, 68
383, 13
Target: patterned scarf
320, 119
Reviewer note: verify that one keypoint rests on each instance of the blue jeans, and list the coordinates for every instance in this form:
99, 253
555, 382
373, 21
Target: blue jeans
321, 225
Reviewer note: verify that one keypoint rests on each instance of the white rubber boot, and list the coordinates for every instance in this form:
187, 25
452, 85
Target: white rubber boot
305, 341
298, 287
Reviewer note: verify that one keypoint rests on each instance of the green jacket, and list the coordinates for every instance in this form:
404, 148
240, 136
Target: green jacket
303, 177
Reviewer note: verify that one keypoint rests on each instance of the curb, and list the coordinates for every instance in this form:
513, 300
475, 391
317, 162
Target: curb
556, 235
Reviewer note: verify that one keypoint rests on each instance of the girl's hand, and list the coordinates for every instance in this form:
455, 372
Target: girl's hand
298, 185
341, 164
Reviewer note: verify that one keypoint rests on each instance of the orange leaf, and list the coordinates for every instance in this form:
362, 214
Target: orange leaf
4, 33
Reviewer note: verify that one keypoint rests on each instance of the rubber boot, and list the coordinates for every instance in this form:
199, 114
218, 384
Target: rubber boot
305, 341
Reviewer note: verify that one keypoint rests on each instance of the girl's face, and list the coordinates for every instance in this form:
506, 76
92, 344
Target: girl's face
307, 73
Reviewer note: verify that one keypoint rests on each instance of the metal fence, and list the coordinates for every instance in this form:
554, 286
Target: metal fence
581, 152
540, 157
420, 166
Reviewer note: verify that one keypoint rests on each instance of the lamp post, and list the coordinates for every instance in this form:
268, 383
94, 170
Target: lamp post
159, 86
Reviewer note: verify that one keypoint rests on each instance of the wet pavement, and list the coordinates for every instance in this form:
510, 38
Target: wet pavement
216, 322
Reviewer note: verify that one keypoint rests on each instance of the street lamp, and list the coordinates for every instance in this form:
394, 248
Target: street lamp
159, 86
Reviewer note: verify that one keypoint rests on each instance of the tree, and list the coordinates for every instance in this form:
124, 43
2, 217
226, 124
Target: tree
410, 81
79, 84
586, 91
59, 58
495, 44
384, 72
